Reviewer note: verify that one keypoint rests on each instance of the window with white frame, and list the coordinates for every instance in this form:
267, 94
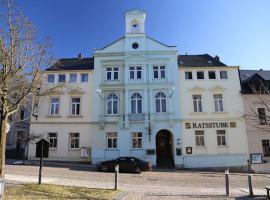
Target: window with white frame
136, 103
75, 105
199, 137
112, 73
84, 77
112, 104
218, 102
159, 72
73, 77
135, 72
55, 101
200, 74
53, 140
188, 75
111, 140
223, 75
137, 140
212, 74
50, 78
197, 103
61, 78
74, 140
161, 101
221, 138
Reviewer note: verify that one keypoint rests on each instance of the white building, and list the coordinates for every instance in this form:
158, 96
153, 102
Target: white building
132, 99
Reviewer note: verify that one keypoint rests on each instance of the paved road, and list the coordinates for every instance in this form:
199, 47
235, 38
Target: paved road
148, 185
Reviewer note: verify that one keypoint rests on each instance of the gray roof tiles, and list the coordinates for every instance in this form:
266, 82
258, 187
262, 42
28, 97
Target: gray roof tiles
246, 74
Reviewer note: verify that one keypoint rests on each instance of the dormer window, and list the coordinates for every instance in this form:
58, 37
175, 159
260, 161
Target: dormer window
135, 28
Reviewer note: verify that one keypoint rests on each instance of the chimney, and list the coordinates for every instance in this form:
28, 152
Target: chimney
80, 56
217, 58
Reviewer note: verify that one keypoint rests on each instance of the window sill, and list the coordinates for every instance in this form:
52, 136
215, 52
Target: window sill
111, 149
53, 149
200, 147
54, 116
135, 149
74, 116
222, 146
198, 113
74, 149
219, 112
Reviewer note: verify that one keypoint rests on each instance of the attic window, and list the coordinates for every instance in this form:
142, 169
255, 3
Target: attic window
135, 45
135, 28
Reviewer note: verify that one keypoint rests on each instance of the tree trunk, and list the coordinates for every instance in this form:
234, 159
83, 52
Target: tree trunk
4, 122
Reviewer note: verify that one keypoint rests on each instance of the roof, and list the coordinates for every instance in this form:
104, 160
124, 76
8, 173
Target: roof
73, 64
201, 60
248, 74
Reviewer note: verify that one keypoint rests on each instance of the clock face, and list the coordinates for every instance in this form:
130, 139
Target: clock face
135, 45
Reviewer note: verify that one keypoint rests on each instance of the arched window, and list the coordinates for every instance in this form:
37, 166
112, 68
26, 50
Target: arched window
135, 27
112, 104
136, 103
160, 102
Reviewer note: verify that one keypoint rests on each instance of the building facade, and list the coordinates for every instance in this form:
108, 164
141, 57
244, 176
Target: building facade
132, 99
255, 92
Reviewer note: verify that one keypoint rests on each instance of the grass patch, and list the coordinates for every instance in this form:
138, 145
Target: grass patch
47, 191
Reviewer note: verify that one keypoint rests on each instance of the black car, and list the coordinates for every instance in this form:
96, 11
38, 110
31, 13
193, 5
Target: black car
126, 164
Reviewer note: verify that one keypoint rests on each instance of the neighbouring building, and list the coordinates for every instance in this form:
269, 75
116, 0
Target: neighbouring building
138, 97
17, 137
256, 97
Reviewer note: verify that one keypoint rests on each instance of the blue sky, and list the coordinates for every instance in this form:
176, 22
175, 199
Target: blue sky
236, 30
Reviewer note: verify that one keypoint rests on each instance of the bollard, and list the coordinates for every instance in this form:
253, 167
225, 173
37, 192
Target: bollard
116, 177
227, 184
250, 187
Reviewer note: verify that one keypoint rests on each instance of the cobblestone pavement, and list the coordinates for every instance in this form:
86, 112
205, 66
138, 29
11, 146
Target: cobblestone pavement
148, 185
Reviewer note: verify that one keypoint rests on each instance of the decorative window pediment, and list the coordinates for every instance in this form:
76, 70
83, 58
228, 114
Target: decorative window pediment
217, 89
197, 89
75, 91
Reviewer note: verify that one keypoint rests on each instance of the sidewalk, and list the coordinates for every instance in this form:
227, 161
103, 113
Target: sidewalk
137, 191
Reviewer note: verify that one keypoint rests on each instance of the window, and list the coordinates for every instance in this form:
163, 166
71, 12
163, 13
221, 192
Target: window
188, 75
112, 104
223, 75
200, 75
218, 102
50, 78
61, 78
112, 73
266, 147
136, 140
262, 116
221, 138
212, 74
74, 140
159, 72
84, 78
135, 28
53, 140
54, 106
22, 115
135, 72
73, 78
197, 103
75, 106
199, 136
111, 140
160, 102
136, 103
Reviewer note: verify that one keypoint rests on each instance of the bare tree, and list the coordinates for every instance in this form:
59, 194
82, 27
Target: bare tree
22, 61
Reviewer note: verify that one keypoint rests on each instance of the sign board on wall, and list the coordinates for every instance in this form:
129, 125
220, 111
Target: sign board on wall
199, 125
256, 158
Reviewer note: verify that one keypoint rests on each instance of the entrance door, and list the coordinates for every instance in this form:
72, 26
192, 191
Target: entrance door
164, 149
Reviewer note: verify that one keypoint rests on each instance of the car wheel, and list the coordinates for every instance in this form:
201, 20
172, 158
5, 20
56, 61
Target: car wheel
104, 168
137, 170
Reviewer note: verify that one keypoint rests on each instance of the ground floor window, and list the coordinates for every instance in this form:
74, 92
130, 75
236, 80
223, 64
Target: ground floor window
111, 140
266, 147
221, 138
199, 137
53, 140
137, 140
74, 140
